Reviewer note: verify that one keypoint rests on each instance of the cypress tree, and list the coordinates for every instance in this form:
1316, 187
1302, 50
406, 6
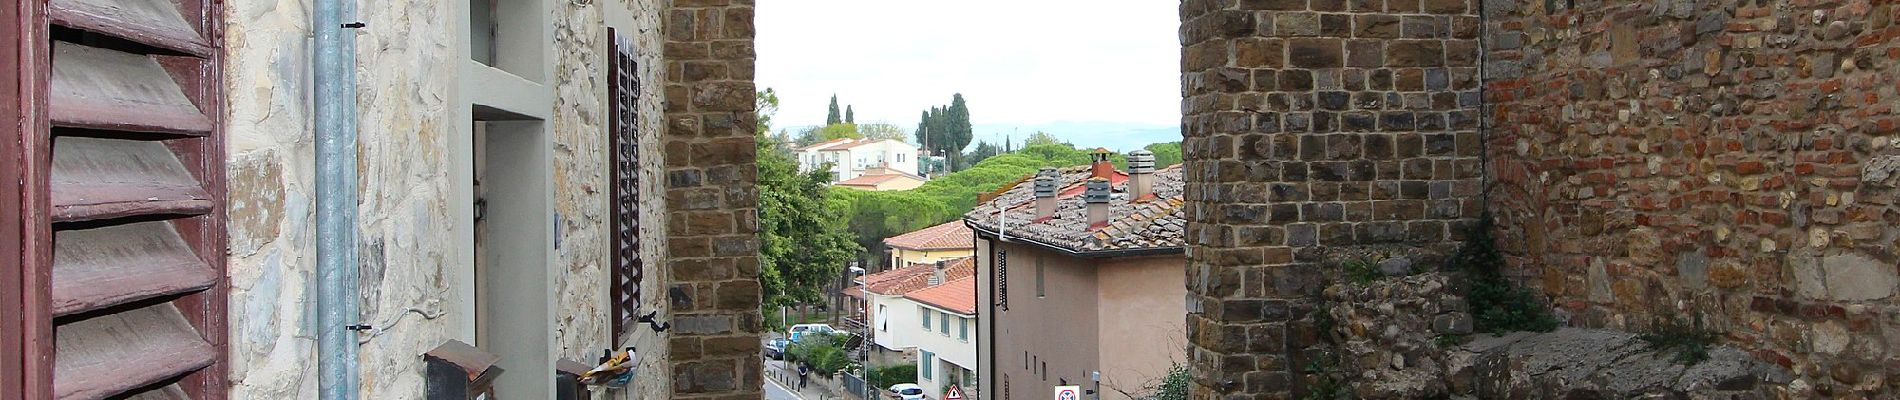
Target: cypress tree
833, 118
850, 116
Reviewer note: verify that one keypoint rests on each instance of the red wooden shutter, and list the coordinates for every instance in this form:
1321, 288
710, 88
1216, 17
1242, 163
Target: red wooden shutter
132, 173
623, 134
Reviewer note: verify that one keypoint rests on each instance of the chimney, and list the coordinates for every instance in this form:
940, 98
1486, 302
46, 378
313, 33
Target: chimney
1141, 175
1046, 193
1097, 197
936, 275
1099, 167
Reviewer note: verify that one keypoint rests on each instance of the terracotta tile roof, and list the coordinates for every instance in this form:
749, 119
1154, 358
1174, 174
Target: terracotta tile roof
949, 235
898, 282
1153, 224
958, 296
864, 142
825, 144
874, 180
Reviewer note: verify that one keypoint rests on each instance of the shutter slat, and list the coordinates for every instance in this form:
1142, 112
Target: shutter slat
96, 178
169, 392
104, 267
114, 354
95, 88
156, 23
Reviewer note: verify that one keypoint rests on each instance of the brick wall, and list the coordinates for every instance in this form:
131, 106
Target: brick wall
712, 232
1725, 160
1311, 128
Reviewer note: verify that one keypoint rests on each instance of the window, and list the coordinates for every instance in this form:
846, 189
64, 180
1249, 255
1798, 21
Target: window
963, 329
1002, 278
926, 314
624, 151
1039, 288
926, 364
883, 319
943, 321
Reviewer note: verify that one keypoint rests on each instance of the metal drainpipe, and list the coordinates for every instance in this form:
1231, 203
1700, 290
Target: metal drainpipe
335, 114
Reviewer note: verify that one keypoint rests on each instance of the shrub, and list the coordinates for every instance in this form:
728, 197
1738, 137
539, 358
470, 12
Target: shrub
1497, 305
883, 377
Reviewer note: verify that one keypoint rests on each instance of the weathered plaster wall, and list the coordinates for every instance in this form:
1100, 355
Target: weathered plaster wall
1726, 160
404, 182
406, 178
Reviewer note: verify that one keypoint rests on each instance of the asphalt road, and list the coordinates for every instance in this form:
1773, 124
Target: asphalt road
775, 392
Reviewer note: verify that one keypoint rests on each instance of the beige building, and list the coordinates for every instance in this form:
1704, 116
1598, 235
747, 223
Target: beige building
884, 182
948, 241
1082, 272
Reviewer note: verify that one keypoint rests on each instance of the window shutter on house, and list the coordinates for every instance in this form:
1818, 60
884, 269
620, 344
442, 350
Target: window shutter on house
128, 245
624, 145
1002, 278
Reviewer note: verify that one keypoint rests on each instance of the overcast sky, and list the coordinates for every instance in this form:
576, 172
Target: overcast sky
1017, 62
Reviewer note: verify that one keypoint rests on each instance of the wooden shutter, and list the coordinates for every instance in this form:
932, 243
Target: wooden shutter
1002, 278
623, 135
122, 228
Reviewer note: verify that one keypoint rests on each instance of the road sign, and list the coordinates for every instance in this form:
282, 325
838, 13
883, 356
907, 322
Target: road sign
1068, 393
955, 393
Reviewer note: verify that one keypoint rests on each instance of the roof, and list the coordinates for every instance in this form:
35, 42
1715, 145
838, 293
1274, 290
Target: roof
958, 296
825, 144
1152, 225
874, 180
949, 235
916, 276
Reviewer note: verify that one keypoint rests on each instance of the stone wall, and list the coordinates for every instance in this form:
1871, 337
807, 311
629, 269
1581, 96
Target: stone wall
407, 174
1724, 160
1311, 126
712, 216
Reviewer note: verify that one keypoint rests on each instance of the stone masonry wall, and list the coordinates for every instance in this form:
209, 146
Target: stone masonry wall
1312, 126
1724, 160
712, 222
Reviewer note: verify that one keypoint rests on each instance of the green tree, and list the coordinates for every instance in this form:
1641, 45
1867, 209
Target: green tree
839, 131
803, 240
850, 116
767, 103
1041, 138
957, 129
1166, 154
833, 118
883, 131
983, 151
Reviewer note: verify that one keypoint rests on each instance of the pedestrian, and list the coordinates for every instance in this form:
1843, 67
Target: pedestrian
804, 374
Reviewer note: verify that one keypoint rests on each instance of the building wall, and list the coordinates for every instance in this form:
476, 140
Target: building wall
1728, 161
1142, 333
712, 201
901, 257
1058, 329
903, 325
408, 175
1311, 127
947, 349
989, 382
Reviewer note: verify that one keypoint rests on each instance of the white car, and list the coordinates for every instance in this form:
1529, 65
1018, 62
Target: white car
907, 391
801, 329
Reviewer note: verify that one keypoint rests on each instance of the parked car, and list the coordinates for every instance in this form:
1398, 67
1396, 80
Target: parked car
802, 329
775, 349
907, 391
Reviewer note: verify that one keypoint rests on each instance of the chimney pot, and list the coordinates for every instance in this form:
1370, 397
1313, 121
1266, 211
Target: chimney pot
1141, 172
936, 275
1046, 193
1099, 167
1097, 196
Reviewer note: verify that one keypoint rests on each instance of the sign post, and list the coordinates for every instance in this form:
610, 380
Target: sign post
1068, 393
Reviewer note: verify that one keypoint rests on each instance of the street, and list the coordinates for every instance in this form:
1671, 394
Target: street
774, 391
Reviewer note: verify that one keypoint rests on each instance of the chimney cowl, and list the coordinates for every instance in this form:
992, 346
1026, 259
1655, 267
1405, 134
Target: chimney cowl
1099, 166
1097, 191
1046, 183
1141, 162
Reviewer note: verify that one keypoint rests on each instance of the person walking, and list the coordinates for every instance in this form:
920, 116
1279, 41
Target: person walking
804, 374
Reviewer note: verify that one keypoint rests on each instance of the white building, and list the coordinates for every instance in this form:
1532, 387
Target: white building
850, 158
946, 336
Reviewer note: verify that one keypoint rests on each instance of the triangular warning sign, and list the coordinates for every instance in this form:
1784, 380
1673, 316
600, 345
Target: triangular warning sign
955, 393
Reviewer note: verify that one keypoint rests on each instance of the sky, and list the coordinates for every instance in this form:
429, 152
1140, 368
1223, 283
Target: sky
1094, 72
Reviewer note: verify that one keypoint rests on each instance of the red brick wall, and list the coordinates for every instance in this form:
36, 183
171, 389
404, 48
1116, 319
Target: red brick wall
1725, 160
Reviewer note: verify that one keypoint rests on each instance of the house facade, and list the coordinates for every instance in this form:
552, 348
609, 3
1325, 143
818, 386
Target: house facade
946, 343
892, 321
851, 158
1082, 274
883, 182
167, 217
947, 241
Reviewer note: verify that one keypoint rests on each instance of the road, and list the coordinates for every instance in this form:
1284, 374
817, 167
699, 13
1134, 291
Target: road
773, 391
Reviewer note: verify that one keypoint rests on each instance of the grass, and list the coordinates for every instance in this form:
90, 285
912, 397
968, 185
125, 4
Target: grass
1361, 271
1689, 342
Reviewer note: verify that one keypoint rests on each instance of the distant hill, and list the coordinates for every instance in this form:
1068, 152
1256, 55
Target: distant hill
1114, 136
